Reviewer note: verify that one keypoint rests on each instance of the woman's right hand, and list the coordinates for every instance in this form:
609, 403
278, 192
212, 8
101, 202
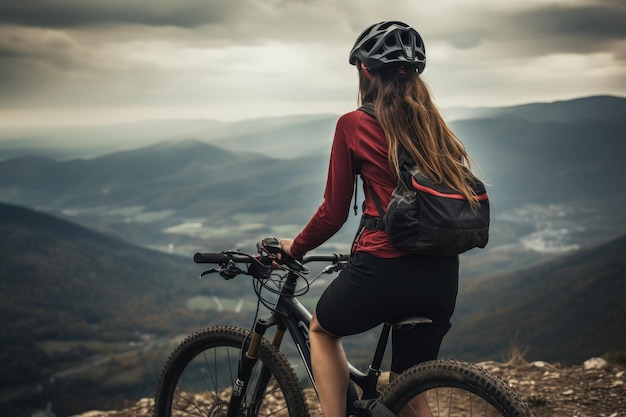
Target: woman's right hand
285, 245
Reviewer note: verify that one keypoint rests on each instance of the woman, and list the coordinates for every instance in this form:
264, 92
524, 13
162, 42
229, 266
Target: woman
380, 283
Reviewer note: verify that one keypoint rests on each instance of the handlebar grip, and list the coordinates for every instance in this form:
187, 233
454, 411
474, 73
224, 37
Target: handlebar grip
337, 257
220, 258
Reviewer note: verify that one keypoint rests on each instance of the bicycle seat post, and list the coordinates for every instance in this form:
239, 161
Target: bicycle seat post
374, 372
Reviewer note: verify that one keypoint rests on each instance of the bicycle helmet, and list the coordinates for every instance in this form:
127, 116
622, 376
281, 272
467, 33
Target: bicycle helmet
387, 43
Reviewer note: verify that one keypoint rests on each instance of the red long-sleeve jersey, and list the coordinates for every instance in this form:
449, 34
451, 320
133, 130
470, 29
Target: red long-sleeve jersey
359, 145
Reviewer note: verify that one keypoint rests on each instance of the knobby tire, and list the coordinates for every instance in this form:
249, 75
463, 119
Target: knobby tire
454, 388
189, 386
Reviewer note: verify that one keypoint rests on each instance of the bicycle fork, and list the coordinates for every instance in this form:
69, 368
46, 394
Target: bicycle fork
247, 363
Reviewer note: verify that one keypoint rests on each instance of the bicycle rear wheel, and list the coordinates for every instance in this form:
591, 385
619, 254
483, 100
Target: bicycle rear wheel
200, 374
454, 389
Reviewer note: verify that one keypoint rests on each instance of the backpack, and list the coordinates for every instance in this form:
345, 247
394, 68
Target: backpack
429, 218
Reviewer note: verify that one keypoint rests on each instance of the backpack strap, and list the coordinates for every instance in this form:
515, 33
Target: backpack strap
369, 222
375, 223
369, 109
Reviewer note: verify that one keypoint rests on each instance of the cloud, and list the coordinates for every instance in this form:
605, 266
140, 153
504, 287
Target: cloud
244, 58
578, 29
72, 13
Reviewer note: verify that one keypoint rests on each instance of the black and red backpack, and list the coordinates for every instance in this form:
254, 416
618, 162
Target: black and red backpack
430, 218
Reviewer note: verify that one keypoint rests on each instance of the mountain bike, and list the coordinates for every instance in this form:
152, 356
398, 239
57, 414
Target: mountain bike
227, 371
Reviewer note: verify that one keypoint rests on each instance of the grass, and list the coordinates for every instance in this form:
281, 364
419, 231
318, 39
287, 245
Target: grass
616, 358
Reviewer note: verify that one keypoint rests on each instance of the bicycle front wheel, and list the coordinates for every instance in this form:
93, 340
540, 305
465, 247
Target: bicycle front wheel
454, 389
200, 374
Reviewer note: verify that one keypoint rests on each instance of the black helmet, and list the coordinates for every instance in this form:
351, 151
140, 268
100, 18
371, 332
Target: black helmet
388, 43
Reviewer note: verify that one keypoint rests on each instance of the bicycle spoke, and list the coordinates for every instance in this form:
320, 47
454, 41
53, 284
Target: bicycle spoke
455, 402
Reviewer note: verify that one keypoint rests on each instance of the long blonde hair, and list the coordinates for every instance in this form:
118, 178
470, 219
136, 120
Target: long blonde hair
406, 112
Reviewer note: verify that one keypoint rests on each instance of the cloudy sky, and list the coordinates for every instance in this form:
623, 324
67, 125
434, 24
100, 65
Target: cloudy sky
104, 61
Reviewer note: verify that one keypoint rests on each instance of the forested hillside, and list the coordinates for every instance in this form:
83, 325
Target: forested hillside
566, 310
72, 300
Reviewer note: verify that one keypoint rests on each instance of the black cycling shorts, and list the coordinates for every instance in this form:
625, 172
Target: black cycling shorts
370, 291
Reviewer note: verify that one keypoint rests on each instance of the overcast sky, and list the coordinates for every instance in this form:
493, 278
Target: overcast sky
102, 61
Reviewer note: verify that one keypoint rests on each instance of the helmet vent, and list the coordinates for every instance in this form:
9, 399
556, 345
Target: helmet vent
369, 45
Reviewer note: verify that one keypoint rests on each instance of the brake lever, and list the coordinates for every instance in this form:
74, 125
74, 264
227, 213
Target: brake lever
295, 265
230, 271
210, 271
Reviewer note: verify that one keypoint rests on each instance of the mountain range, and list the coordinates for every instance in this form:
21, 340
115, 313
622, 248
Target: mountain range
82, 212
236, 181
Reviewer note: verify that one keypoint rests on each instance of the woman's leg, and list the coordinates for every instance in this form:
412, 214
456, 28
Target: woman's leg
330, 370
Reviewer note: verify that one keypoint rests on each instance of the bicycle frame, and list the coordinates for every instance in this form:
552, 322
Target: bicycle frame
290, 315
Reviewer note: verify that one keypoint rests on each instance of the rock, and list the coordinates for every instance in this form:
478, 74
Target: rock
595, 363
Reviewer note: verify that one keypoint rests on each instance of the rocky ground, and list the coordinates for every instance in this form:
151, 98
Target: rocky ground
593, 389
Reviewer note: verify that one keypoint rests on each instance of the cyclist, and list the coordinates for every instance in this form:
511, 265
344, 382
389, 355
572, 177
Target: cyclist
380, 283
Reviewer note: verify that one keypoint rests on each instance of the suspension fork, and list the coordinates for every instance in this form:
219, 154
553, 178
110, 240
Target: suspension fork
247, 363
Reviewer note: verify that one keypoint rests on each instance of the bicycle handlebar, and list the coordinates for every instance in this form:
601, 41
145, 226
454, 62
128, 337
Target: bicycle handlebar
223, 257
260, 265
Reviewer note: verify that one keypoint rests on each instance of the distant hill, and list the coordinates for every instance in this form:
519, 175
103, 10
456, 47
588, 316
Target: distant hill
274, 136
290, 137
189, 176
74, 300
139, 194
598, 108
549, 152
52, 264
566, 310
61, 281
68, 142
